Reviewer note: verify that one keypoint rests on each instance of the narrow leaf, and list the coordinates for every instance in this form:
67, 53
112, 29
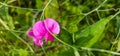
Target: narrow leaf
92, 34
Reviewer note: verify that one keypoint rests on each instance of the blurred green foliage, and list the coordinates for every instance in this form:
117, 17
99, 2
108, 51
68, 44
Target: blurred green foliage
84, 23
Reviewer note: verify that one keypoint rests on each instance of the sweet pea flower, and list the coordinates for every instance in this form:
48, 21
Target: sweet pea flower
42, 29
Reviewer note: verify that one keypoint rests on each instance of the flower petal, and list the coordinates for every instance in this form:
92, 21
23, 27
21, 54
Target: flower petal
39, 29
49, 37
52, 25
30, 33
38, 42
38, 32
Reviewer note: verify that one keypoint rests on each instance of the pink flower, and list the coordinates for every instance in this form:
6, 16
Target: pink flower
39, 31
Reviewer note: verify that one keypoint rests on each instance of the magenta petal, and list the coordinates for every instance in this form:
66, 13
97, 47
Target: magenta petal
30, 33
39, 29
38, 42
49, 37
39, 37
52, 25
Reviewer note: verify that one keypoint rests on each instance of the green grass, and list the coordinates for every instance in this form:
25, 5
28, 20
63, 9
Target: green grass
88, 27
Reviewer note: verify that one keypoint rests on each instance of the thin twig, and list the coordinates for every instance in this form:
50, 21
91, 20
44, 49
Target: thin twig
19, 7
4, 24
44, 50
42, 15
96, 8
109, 9
56, 37
100, 50
35, 16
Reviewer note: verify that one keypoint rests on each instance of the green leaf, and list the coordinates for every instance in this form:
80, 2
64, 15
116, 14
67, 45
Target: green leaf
39, 4
73, 9
118, 32
23, 52
52, 10
72, 25
104, 44
66, 36
21, 11
92, 34
11, 24
68, 52
72, 28
6, 17
10, 36
118, 23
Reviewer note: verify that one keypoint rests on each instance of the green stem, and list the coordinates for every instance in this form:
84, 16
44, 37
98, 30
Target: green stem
57, 38
42, 15
23, 41
4, 24
7, 28
100, 50
44, 50
116, 14
96, 8
73, 37
98, 14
